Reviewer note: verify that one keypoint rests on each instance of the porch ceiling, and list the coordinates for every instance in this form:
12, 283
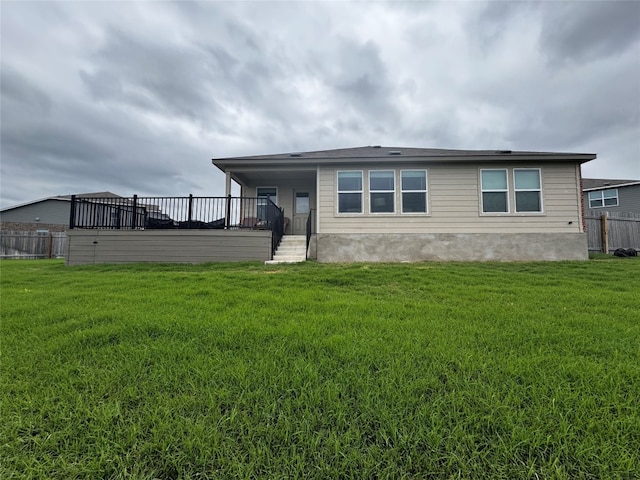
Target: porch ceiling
266, 177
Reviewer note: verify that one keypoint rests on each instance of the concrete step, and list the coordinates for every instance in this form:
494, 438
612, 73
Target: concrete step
287, 249
293, 242
274, 262
292, 249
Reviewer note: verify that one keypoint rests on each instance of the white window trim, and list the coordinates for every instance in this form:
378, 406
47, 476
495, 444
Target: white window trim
601, 198
393, 171
338, 192
482, 190
426, 192
539, 190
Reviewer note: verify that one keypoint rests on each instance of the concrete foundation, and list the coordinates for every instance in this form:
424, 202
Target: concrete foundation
505, 247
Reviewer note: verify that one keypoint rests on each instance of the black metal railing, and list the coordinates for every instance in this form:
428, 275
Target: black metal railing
309, 231
274, 216
153, 213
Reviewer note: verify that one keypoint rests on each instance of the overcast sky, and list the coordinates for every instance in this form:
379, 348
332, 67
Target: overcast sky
138, 97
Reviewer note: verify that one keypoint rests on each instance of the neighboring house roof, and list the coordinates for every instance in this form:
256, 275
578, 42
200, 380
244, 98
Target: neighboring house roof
590, 184
378, 154
65, 198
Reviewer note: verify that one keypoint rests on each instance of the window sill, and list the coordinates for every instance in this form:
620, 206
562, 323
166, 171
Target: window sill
513, 214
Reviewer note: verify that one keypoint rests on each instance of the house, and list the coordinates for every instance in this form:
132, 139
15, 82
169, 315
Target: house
45, 214
614, 197
384, 204
36, 229
612, 213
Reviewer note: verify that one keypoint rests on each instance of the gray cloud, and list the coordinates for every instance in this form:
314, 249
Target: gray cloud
586, 31
137, 97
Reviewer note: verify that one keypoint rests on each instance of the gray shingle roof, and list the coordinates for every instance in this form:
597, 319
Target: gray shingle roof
380, 155
603, 183
65, 198
379, 151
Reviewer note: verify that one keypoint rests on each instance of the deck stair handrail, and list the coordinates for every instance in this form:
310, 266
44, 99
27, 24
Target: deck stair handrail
309, 231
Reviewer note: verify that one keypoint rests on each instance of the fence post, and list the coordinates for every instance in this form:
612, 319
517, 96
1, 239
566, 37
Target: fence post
50, 245
604, 223
72, 212
227, 215
135, 209
190, 210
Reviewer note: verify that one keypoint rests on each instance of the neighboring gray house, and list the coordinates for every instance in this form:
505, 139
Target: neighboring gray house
412, 204
51, 213
615, 197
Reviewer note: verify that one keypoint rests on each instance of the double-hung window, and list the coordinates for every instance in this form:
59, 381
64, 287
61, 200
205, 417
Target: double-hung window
350, 192
413, 184
382, 191
603, 198
495, 191
528, 191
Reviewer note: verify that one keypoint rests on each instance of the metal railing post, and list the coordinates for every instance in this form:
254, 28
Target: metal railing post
227, 215
135, 209
72, 212
309, 230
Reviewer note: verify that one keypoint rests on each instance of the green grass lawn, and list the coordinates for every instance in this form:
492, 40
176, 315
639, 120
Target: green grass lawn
430, 370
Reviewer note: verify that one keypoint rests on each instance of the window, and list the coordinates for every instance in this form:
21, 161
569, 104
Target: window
603, 198
302, 203
265, 194
527, 189
382, 191
350, 192
413, 184
495, 191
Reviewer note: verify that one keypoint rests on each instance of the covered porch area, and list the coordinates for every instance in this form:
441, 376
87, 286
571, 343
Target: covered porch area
293, 189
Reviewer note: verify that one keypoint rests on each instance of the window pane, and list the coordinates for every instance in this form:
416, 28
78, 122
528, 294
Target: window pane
494, 180
610, 193
381, 180
267, 192
414, 180
349, 181
414, 202
527, 179
595, 203
302, 203
528, 202
350, 202
382, 202
611, 202
494, 202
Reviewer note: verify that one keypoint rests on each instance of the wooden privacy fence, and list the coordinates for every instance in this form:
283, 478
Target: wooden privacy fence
607, 233
32, 244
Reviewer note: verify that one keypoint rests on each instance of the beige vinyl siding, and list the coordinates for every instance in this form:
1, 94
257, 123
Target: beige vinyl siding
454, 203
181, 246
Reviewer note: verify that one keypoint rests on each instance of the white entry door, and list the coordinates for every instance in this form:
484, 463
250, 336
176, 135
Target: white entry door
301, 208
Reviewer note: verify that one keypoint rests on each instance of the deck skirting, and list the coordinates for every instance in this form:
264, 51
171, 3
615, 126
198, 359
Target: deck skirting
166, 246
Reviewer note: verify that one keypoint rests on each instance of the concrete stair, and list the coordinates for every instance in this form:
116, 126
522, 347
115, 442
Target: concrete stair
292, 249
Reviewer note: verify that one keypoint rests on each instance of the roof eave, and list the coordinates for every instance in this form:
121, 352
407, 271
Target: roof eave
224, 163
608, 187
